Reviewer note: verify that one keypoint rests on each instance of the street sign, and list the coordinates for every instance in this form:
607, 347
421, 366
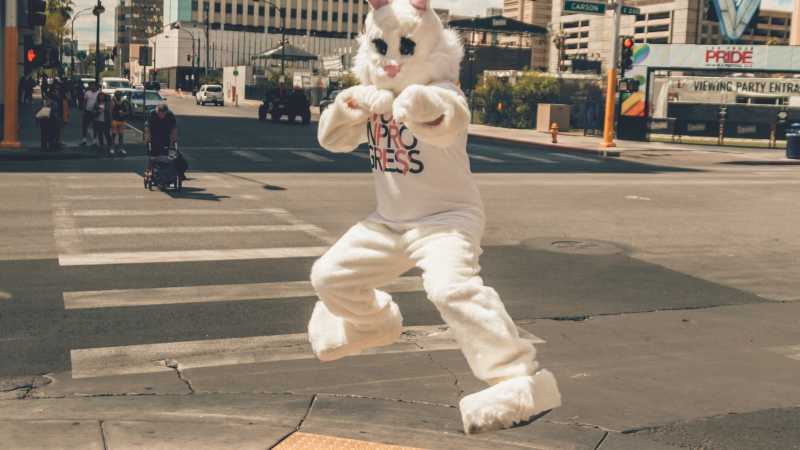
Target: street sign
630, 10
584, 7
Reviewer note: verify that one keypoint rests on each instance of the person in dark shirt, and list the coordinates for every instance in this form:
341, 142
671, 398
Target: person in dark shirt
162, 133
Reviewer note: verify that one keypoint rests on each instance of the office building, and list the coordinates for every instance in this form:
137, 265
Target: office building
659, 22
535, 12
134, 22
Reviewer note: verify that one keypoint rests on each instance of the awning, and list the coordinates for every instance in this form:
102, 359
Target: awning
497, 24
292, 54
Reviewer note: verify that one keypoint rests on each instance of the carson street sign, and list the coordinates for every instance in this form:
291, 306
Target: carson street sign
584, 7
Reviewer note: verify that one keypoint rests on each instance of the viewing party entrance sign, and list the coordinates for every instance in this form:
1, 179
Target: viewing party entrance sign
726, 90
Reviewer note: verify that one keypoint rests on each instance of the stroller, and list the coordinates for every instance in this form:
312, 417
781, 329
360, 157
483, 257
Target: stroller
162, 171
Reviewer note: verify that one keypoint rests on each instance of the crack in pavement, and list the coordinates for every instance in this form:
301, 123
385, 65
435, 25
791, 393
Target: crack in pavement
299, 424
387, 399
28, 385
459, 391
174, 364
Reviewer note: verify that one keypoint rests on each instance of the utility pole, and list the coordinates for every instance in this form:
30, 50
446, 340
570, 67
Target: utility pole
98, 9
608, 130
10, 75
205, 74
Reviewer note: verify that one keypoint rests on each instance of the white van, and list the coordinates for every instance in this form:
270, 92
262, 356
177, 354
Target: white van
110, 84
210, 93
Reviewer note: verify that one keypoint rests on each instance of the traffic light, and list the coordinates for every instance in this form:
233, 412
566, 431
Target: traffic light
37, 14
626, 58
31, 55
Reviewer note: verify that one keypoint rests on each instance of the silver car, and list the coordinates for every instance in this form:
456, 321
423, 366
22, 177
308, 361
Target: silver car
136, 101
210, 93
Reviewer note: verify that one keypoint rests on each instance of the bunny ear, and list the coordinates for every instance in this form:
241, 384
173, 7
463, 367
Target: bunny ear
378, 4
420, 5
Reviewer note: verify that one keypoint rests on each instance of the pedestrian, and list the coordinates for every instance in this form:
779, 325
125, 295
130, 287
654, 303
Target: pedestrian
161, 132
89, 111
60, 114
30, 83
119, 115
23, 82
44, 84
102, 123
44, 120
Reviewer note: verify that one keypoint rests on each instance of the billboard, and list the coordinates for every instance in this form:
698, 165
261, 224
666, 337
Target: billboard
734, 15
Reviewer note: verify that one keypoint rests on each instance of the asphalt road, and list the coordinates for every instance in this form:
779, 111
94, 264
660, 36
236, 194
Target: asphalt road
90, 260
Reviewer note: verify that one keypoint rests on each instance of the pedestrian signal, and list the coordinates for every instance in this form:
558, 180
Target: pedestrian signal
626, 58
30, 55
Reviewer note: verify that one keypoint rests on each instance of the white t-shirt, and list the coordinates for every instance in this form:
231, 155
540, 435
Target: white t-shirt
420, 184
90, 99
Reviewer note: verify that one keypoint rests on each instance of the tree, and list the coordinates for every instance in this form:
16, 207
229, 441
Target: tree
58, 14
531, 89
493, 97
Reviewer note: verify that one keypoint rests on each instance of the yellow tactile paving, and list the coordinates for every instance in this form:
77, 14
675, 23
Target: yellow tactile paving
308, 441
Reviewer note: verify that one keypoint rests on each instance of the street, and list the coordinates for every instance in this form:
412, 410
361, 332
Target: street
661, 288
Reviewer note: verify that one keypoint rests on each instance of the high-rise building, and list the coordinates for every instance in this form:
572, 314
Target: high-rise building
536, 12
659, 22
134, 22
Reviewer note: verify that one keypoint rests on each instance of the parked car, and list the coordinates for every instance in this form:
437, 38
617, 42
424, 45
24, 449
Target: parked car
328, 101
110, 84
210, 93
152, 86
290, 104
86, 82
136, 101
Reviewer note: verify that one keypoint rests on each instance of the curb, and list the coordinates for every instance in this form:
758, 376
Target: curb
37, 155
550, 146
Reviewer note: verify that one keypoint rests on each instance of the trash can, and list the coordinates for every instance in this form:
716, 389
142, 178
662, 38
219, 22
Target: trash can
793, 141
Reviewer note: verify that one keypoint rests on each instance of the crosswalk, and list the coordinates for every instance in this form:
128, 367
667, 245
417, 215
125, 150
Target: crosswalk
479, 154
95, 230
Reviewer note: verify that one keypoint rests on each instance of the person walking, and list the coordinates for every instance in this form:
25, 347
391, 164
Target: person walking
89, 112
44, 118
119, 116
102, 124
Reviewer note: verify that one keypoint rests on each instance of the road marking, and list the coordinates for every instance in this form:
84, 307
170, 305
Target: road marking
151, 358
575, 157
93, 259
105, 197
312, 229
486, 158
313, 156
531, 158
789, 351
209, 294
122, 231
271, 149
252, 156
164, 212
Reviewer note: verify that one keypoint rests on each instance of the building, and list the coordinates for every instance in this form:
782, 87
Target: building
537, 13
93, 46
589, 36
134, 22
491, 12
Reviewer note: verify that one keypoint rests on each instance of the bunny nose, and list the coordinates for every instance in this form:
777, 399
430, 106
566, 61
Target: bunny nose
392, 70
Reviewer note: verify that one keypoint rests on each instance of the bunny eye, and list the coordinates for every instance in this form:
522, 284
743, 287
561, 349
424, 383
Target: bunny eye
381, 46
407, 46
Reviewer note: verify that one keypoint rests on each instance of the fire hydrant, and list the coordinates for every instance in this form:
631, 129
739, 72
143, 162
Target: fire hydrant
554, 132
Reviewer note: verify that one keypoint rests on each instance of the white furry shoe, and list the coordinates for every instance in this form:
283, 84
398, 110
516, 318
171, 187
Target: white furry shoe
332, 337
509, 402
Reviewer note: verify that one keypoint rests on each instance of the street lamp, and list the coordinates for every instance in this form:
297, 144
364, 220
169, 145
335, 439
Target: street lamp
177, 26
72, 34
97, 10
283, 34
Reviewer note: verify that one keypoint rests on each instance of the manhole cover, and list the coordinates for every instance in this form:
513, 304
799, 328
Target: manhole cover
574, 246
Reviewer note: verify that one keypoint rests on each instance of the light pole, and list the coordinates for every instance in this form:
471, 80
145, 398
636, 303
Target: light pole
97, 10
72, 36
281, 11
177, 26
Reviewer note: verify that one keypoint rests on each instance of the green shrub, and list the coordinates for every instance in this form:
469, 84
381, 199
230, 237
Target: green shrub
531, 89
494, 99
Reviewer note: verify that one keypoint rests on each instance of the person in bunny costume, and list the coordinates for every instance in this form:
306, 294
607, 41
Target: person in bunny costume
410, 111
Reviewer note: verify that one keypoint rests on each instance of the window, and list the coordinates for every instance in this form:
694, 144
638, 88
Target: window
567, 25
239, 9
658, 16
194, 5
571, 46
314, 15
345, 17
335, 16
641, 17
217, 7
657, 28
584, 45
272, 12
658, 40
584, 23
206, 6
250, 10
639, 30
355, 18
228, 8
293, 13
304, 14
324, 15
778, 21
260, 11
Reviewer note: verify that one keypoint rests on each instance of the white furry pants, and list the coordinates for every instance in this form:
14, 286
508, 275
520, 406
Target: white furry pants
372, 255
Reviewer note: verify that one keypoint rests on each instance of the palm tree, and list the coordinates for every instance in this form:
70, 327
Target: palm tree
58, 14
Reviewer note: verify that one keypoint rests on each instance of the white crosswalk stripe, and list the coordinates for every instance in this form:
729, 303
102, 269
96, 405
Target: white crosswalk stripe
252, 156
313, 156
123, 231
360, 155
209, 294
531, 158
94, 259
574, 157
485, 158
152, 358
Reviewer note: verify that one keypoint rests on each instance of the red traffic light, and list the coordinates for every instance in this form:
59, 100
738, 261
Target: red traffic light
627, 43
30, 55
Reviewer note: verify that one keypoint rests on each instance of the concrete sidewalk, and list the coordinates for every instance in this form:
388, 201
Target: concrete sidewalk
717, 378
577, 142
